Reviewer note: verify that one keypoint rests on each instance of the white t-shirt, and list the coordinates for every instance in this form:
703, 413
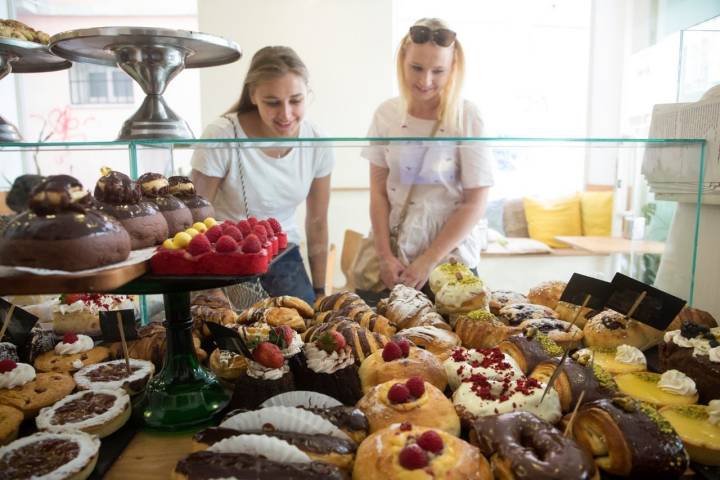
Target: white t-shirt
274, 187
440, 172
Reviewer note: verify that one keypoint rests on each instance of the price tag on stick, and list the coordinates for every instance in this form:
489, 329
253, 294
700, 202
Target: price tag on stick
228, 339
121, 329
17, 323
657, 308
110, 328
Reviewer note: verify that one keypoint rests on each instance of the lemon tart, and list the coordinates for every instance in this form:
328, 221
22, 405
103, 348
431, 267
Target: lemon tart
670, 388
694, 425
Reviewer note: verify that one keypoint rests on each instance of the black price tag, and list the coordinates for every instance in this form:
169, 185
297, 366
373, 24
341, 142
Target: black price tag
228, 339
109, 325
580, 286
658, 309
21, 323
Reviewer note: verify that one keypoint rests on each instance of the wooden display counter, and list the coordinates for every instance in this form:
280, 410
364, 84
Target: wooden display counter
150, 456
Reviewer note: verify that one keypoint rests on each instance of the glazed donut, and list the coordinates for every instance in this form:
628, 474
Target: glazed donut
516, 313
547, 293
481, 329
503, 298
430, 409
380, 456
557, 330
530, 348
446, 273
519, 442
438, 341
567, 311
610, 329
375, 369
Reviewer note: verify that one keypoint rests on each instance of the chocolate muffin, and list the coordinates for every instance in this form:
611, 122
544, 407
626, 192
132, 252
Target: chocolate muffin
199, 206
155, 189
117, 195
62, 231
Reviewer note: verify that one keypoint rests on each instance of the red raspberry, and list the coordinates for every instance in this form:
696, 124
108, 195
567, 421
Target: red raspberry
227, 224
392, 351
7, 365
214, 233
413, 457
404, 347
226, 244
259, 230
398, 393
268, 229
234, 233
431, 441
251, 244
277, 228
252, 221
405, 427
244, 227
199, 245
416, 385
70, 337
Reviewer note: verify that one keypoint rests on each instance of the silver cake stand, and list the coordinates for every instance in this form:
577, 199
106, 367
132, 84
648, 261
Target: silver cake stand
21, 56
152, 57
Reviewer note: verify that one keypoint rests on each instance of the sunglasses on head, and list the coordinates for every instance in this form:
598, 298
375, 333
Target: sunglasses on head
442, 36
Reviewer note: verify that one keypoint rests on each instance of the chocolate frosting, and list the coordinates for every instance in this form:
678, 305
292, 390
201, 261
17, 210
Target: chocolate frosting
531, 349
60, 226
59, 193
181, 187
207, 465
705, 373
116, 188
581, 377
533, 446
128, 210
316, 444
657, 451
149, 190
345, 418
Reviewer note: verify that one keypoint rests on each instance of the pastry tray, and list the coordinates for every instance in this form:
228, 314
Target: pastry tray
31, 57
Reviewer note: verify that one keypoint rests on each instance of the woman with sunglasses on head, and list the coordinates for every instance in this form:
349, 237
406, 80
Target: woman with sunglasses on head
429, 198
272, 181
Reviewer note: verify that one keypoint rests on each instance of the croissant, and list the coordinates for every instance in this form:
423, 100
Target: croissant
480, 329
407, 307
362, 341
336, 301
298, 304
629, 439
359, 313
150, 346
435, 340
274, 316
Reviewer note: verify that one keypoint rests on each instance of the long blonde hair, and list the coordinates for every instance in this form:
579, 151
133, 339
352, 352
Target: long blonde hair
449, 113
267, 64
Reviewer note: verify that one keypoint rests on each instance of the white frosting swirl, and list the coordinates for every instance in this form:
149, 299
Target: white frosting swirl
714, 354
630, 355
714, 411
294, 347
674, 381
256, 370
700, 345
18, 376
82, 344
320, 361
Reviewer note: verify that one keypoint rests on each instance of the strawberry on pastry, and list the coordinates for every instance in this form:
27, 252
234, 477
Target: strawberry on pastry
268, 374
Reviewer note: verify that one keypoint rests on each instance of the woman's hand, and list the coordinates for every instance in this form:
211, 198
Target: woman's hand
416, 275
390, 270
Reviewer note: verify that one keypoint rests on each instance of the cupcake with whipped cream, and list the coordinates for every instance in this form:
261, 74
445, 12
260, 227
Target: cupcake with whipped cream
491, 363
267, 374
327, 366
623, 359
694, 350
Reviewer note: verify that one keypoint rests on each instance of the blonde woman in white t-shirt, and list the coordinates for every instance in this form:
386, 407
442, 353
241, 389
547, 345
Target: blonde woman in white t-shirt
272, 180
451, 181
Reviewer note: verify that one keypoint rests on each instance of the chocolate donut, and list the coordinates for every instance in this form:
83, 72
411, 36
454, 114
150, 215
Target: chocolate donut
521, 445
155, 189
199, 206
117, 195
62, 231
530, 348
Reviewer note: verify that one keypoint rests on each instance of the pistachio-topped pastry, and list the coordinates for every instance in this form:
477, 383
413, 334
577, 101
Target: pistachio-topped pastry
118, 196
62, 230
615, 360
671, 388
699, 428
445, 273
156, 189
183, 189
464, 294
530, 348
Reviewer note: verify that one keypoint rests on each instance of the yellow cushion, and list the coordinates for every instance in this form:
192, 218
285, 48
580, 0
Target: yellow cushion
596, 210
549, 218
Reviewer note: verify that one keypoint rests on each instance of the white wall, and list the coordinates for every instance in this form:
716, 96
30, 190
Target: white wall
347, 46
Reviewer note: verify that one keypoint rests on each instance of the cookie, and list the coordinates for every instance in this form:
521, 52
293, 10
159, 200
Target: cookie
46, 389
10, 420
53, 362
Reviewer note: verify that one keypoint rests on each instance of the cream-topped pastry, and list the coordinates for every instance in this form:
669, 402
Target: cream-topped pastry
320, 361
701, 343
261, 372
446, 273
674, 381
491, 363
462, 295
81, 343
15, 374
670, 388
623, 359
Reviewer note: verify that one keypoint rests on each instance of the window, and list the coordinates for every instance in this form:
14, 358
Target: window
96, 84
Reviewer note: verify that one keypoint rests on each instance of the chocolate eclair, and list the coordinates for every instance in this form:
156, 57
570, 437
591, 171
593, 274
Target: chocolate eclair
183, 188
350, 420
117, 195
156, 189
62, 231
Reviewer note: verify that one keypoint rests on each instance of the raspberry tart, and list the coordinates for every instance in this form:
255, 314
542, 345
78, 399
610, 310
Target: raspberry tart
114, 375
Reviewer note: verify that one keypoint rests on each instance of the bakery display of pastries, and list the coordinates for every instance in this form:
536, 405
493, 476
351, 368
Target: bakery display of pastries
438, 341
629, 439
61, 230
80, 312
530, 348
184, 190
610, 329
577, 313
547, 293
566, 335
488, 363
120, 197
71, 354
699, 428
22, 388
670, 388
481, 329
360, 313
406, 307
115, 375
462, 295
267, 375
503, 298
362, 341
622, 359
516, 313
